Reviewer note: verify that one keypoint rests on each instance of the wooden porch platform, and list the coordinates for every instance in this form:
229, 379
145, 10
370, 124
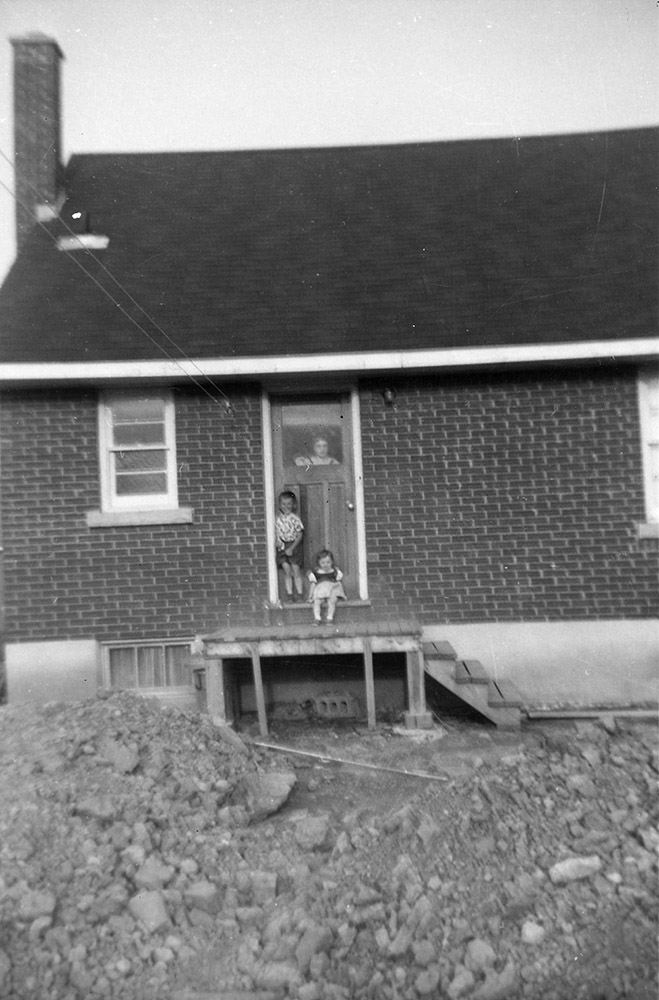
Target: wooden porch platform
255, 642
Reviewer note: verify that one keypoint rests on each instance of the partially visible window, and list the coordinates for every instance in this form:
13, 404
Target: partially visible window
138, 451
147, 666
649, 405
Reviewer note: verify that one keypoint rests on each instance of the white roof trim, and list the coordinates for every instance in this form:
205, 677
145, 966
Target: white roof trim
359, 363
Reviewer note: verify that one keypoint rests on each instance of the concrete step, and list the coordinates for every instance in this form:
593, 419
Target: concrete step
301, 611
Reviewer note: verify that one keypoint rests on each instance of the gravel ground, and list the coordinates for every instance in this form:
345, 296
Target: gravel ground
144, 854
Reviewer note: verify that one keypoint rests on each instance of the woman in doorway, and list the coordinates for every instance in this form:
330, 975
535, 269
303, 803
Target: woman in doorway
320, 454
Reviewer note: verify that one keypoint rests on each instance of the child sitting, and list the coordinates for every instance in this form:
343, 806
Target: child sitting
325, 585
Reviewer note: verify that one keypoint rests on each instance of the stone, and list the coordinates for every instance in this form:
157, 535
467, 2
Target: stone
311, 832
582, 784
425, 952
264, 794
401, 942
153, 874
135, 854
592, 755
203, 895
314, 940
264, 887
109, 903
36, 904
277, 976
574, 868
39, 927
462, 983
148, 907
309, 991
122, 758
427, 981
497, 985
232, 739
479, 955
533, 933
100, 807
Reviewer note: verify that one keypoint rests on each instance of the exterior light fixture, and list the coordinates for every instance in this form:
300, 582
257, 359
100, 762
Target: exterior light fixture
389, 396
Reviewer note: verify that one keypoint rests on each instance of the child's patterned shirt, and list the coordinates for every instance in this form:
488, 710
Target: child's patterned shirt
287, 527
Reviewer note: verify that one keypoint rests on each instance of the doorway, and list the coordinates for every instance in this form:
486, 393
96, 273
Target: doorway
313, 456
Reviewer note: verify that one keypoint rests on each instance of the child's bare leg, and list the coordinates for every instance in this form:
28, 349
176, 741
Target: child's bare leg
288, 579
331, 608
297, 576
316, 609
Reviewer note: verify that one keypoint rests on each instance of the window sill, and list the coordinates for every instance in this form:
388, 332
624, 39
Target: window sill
119, 518
648, 529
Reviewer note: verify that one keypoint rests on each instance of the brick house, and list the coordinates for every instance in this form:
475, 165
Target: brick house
470, 325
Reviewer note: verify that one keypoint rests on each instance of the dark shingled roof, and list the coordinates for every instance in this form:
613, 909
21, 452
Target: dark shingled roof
429, 245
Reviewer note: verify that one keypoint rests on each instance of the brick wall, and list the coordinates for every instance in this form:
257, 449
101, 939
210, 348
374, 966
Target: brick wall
67, 581
508, 498
37, 126
513, 498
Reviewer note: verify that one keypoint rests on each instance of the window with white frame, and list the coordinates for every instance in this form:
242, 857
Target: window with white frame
148, 666
649, 409
138, 451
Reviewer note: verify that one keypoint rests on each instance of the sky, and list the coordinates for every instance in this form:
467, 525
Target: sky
155, 75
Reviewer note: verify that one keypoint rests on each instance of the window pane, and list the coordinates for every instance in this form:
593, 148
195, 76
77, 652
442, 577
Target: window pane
135, 485
122, 667
139, 434
136, 409
140, 461
312, 433
149, 666
178, 675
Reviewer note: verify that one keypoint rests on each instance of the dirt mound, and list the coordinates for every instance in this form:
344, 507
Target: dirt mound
145, 854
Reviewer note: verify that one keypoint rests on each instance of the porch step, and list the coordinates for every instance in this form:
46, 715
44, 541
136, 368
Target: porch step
498, 701
300, 612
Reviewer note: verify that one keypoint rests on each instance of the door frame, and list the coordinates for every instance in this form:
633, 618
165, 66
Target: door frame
269, 491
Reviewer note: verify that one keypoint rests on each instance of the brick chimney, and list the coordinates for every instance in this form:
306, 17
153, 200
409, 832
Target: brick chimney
37, 132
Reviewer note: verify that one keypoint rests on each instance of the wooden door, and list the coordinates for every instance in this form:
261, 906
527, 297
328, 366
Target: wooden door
313, 458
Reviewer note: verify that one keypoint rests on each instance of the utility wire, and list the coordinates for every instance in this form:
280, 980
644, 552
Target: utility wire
170, 357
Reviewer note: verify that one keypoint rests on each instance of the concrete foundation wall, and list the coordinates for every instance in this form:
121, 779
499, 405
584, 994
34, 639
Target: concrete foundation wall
560, 664
52, 671
554, 664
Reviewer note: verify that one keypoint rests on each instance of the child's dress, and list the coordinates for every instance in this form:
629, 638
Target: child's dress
327, 584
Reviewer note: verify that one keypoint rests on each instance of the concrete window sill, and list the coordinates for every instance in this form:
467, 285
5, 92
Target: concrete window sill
649, 529
116, 518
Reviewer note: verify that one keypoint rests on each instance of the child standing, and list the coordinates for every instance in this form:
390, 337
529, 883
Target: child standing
289, 532
325, 585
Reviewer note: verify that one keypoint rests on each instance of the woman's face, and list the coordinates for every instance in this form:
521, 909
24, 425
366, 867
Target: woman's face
321, 447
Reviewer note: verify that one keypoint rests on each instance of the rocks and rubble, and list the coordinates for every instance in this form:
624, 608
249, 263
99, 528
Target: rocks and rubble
143, 854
